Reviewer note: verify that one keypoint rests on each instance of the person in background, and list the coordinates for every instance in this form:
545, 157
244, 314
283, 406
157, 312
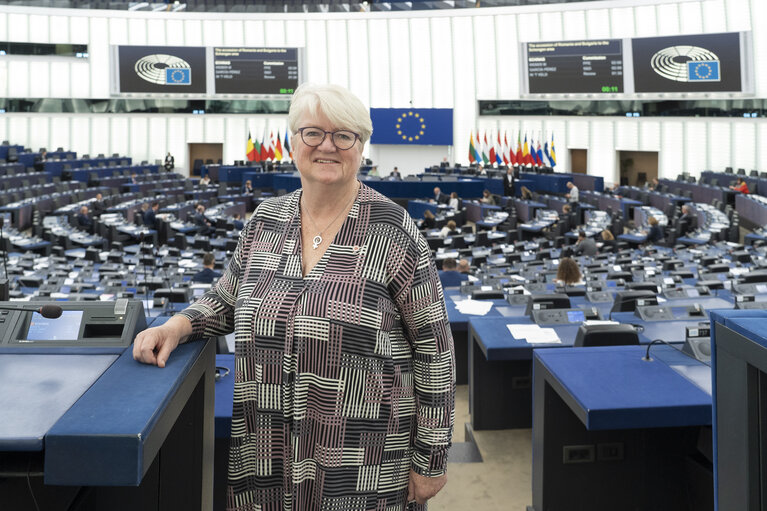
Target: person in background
449, 229
395, 175
464, 266
170, 162
373, 172
568, 273
323, 418
687, 222
740, 186
150, 215
205, 180
141, 214
569, 222
508, 183
133, 179
526, 193
429, 221
454, 202
609, 244
98, 206
238, 223
247, 188
84, 219
439, 197
655, 234
449, 274
585, 245
572, 195
654, 184
207, 275
487, 198
201, 221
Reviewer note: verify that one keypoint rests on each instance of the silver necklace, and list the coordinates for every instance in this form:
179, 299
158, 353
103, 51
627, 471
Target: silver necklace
317, 240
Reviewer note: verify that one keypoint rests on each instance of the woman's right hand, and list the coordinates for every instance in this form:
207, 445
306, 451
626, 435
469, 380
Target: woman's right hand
154, 345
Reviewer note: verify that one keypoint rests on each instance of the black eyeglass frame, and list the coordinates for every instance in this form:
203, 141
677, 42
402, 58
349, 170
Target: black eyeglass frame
332, 137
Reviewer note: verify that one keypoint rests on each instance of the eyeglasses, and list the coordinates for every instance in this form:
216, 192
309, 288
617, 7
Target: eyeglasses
342, 139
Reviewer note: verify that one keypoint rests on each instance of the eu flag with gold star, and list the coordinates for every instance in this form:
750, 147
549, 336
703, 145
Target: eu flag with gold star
412, 126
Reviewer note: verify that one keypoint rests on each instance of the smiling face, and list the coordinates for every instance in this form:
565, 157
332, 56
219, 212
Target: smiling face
325, 164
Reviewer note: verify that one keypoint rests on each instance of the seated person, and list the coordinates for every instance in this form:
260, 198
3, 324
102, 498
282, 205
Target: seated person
84, 220
439, 197
464, 267
450, 229
609, 244
98, 205
200, 221
238, 223
568, 273
207, 275
395, 175
654, 184
740, 186
247, 188
569, 222
205, 180
655, 234
687, 222
454, 202
428, 222
526, 193
487, 198
585, 245
373, 172
150, 215
449, 274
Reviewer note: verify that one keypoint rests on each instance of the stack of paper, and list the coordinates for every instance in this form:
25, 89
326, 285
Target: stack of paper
534, 334
475, 307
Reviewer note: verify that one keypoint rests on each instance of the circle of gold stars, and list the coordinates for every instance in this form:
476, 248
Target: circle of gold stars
420, 121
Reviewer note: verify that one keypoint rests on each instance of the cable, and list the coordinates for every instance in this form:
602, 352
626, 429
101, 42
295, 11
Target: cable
29, 485
647, 358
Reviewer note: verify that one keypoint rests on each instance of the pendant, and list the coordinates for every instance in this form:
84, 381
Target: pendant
316, 241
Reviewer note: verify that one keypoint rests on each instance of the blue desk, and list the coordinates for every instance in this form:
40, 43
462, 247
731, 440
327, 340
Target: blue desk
612, 431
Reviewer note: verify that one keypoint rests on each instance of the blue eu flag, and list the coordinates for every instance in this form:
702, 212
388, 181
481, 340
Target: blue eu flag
703, 71
178, 76
412, 126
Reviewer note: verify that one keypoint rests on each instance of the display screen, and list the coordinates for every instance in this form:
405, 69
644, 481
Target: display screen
256, 70
575, 67
689, 63
66, 327
576, 316
162, 69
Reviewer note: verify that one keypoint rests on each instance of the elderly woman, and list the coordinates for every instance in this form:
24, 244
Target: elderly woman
345, 380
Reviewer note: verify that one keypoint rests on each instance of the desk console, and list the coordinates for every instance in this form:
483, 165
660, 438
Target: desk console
82, 323
565, 316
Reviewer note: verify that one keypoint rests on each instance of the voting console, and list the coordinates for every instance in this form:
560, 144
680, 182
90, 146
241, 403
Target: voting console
86, 427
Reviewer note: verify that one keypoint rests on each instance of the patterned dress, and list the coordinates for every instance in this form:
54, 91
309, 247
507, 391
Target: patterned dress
345, 378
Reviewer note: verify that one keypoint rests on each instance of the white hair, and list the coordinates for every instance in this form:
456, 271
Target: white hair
339, 105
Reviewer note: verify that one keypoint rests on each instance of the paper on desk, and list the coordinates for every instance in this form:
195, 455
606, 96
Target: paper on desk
59, 295
474, 307
523, 288
590, 322
534, 334
739, 271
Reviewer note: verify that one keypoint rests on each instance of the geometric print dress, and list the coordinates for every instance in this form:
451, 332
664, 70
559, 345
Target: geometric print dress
345, 377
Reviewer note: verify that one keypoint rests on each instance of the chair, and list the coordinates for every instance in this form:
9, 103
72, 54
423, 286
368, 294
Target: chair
741, 172
606, 335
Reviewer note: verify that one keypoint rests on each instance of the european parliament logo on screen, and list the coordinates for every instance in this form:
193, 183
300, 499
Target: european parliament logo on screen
164, 69
412, 126
168, 69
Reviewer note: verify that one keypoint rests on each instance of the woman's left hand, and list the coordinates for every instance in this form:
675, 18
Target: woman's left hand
421, 489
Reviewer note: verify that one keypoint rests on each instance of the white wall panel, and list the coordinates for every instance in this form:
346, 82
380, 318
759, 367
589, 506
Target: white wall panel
139, 139
672, 161
193, 32
119, 140
236, 129
18, 129
464, 113
118, 31
719, 145
317, 51
694, 138
213, 32
551, 26
738, 15
40, 29
18, 83
59, 136
399, 63
79, 127
157, 138
761, 146
627, 135
61, 79
598, 23
195, 129
137, 31
174, 32
380, 87
577, 135
649, 135
214, 129
176, 142
759, 12
421, 63
254, 33
691, 17
4, 79
484, 48
574, 25
714, 16
338, 53
39, 129
156, 32
80, 81
275, 33
58, 28
744, 145
622, 22
443, 71
668, 19
79, 28
645, 23
295, 34
233, 33
528, 27
359, 72
100, 135
39, 79
3, 27
602, 157
18, 28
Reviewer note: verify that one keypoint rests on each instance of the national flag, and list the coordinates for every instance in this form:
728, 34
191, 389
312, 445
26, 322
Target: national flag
539, 154
499, 151
546, 152
472, 151
256, 150
264, 152
518, 157
271, 146
505, 148
553, 157
278, 149
250, 149
485, 159
288, 150
492, 150
527, 158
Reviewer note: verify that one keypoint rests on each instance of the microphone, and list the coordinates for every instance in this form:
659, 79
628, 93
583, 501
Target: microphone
47, 311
